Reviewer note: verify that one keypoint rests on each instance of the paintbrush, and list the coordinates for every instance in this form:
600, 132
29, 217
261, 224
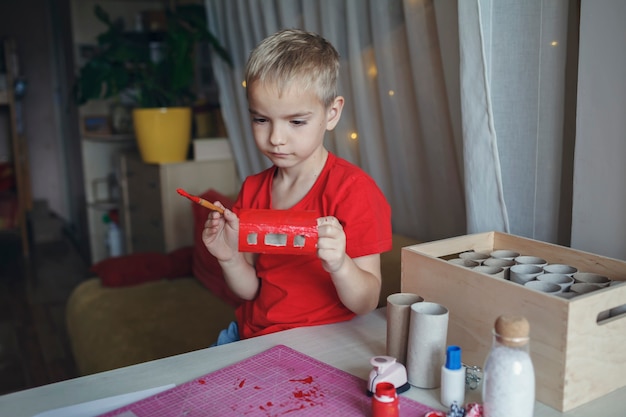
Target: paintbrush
200, 201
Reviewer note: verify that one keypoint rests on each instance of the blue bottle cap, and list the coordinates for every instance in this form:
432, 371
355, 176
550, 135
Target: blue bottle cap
453, 357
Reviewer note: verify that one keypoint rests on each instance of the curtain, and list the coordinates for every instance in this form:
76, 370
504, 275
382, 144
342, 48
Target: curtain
513, 78
396, 124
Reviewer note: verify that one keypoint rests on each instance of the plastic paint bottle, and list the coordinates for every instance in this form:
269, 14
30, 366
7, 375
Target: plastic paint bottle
453, 378
385, 402
113, 236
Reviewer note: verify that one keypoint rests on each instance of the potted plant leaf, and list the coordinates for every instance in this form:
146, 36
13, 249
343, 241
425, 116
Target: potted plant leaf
155, 71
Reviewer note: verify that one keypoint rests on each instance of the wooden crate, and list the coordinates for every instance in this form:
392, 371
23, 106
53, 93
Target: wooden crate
576, 357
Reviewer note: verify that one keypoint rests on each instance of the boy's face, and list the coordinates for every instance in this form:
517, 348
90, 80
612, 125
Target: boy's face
289, 127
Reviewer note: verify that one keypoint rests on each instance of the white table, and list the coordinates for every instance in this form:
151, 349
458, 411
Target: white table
347, 346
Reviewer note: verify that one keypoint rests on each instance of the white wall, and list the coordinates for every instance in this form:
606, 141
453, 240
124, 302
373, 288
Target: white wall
599, 201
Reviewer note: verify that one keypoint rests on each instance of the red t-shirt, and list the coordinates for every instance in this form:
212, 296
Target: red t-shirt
295, 290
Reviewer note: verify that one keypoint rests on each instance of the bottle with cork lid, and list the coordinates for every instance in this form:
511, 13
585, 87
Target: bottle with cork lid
509, 376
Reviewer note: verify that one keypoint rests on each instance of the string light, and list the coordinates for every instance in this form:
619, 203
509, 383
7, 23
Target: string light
354, 136
243, 83
372, 71
554, 43
391, 93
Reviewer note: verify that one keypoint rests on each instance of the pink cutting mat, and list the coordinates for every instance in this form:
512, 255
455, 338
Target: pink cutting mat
280, 381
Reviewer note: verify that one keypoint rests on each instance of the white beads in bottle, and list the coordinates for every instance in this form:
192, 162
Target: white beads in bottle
509, 376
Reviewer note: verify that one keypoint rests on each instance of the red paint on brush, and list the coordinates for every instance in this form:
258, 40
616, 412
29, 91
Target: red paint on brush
200, 201
184, 193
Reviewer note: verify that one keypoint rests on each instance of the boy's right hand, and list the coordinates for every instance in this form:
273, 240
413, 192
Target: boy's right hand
221, 234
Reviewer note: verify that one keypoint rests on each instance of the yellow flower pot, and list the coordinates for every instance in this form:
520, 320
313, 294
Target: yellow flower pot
163, 134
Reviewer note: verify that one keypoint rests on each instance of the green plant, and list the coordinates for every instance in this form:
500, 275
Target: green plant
123, 63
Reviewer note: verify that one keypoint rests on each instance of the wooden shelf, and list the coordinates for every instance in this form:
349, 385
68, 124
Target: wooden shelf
104, 205
8, 210
109, 137
19, 200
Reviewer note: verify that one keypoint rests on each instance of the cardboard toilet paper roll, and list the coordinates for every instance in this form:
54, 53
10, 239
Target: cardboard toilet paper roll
398, 316
426, 353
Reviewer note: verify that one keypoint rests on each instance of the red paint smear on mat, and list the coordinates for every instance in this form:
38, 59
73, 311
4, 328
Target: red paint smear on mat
307, 380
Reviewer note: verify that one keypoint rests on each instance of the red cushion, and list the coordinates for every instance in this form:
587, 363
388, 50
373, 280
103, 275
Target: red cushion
204, 265
137, 268
180, 263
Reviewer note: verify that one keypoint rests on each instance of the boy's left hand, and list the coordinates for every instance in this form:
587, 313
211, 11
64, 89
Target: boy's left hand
331, 243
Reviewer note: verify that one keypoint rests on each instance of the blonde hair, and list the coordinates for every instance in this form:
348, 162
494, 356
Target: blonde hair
296, 55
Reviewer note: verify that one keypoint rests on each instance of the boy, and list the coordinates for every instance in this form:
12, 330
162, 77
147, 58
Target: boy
291, 81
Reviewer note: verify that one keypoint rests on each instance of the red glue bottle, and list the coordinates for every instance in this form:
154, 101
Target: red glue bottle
385, 401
